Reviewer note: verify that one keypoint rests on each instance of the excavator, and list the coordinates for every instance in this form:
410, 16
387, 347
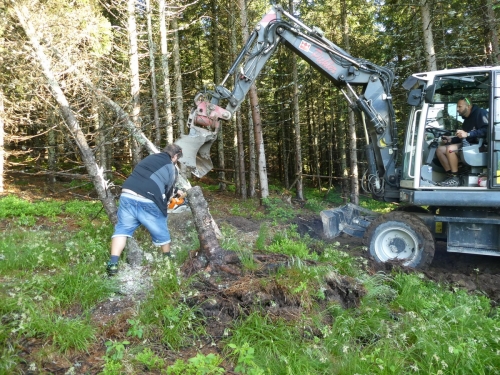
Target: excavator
466, 217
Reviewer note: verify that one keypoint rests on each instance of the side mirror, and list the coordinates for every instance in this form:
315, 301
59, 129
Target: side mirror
429, 94
415, 97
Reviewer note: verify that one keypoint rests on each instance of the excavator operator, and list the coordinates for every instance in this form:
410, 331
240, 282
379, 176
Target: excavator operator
475, 126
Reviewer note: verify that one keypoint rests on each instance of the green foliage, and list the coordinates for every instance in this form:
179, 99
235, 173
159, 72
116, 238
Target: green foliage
136, 329
89, 209
274, 341
261, 241
377, 206
12, 206
199, 365
333, 197
115, 350
79, 184
403, 324
246, 208
176, 323
314, 205
277, 209
112, 367
340, 260
150, 360
246, 360
288, 242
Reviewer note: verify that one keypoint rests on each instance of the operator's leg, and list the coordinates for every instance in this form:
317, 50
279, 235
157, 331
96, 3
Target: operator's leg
441, 154
453, 158
451, 155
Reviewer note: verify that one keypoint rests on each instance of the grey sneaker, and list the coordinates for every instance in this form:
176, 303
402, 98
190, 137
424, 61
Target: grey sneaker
112, 269
452, 181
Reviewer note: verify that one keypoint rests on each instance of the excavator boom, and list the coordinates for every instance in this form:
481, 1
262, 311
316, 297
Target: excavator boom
365, 85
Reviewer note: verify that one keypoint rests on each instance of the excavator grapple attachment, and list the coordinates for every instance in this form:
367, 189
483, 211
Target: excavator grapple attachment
196, 150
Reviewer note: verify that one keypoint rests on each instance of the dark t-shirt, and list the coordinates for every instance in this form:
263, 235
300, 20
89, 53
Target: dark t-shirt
154, 178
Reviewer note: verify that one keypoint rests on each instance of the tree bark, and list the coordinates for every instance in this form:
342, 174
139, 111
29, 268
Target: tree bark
257, 121
430, 54
251, 156
134, 77
152, 68
179, 105
95, 172
212, 257
492, 24
217, 78
296, 122
352, 120
240, 154
165, 68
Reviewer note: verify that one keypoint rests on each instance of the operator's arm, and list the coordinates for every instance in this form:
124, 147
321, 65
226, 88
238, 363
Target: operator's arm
481, 128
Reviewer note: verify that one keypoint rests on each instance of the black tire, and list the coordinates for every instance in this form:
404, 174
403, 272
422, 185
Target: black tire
400, 237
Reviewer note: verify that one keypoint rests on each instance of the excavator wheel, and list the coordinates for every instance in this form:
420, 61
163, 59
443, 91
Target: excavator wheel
400, 237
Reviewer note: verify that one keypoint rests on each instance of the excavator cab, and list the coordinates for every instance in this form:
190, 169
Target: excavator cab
436, 116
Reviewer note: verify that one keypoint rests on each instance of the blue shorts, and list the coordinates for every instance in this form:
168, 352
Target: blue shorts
134, 211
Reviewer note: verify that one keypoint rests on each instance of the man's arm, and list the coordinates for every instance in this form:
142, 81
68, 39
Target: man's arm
482, 127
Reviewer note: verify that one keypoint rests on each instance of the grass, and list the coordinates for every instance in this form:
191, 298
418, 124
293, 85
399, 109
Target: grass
52, 283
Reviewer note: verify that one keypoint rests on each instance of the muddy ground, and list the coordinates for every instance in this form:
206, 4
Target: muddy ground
223, 298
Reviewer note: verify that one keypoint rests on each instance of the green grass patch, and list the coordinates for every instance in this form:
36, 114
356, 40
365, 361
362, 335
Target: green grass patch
52, 280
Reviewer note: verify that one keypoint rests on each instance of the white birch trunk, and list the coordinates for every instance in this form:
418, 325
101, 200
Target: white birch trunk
69, 118
179, 104
492, 22
298, 138
134, 76
353, 145
430, 54
152, 68
257, 122
165, 69
251, 155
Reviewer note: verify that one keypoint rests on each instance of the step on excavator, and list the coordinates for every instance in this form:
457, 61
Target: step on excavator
467, 216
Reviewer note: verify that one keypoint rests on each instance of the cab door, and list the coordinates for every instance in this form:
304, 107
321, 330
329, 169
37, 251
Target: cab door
495, 134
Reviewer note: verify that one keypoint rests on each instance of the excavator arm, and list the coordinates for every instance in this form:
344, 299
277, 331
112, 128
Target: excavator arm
365, 86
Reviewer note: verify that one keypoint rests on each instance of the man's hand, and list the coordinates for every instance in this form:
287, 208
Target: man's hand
462, 134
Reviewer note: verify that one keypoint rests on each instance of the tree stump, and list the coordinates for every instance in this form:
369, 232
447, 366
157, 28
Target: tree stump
211, 257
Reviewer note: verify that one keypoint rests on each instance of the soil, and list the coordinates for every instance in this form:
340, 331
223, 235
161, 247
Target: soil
224, 297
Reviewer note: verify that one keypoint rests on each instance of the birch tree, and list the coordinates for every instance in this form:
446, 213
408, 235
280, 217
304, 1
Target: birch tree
240, 154
166, 73
152, 70
135, 86
256, 117
492, 29
430, 54
296, 125
353, 157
